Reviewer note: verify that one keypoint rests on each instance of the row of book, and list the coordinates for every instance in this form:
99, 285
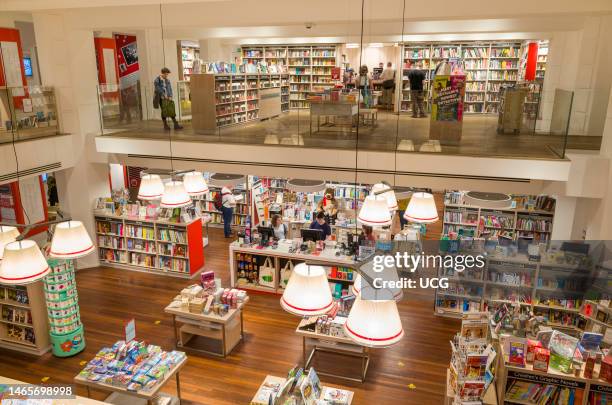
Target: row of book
142, 232
141, 245
110, 242
115, 228
173, 264
531, 224
498, 221
540, 394
172, 235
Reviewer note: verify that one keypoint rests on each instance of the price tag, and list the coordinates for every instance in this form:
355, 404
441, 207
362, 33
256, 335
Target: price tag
130, 330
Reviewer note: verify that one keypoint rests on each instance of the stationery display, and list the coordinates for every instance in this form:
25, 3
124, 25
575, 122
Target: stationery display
211, 299
134, 366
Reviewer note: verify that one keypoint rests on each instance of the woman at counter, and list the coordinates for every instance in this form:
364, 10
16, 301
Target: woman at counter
280, 229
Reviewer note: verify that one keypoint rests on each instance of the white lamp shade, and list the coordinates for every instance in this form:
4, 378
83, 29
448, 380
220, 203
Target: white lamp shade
421, 209
151, 187
8, 234
195, 184
307, 292
175, 195
387, 195
70, 241
374, 212
374, 323
23, 263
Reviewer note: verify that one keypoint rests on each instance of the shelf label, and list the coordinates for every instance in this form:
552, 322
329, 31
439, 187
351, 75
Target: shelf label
601, 388
545, 379
130, 330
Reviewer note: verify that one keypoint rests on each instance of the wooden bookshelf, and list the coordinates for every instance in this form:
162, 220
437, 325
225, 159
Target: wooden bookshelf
206, 205
221, 100
512, 223
24, 325
309, 68
487, 66
155, 246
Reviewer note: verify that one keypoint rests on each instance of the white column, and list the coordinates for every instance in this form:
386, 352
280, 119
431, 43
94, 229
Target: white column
68, 63
564, 218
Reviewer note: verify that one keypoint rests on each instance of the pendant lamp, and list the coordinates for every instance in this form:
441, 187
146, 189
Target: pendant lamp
387, 195
421, 209
374, 323
307, 292
70, 241
151, 187
175, 195
195, 184
22, 263
374, 212
8, 234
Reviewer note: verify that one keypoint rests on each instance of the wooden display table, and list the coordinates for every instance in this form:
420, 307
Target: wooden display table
77, 400
341, 345
227, 328
332, 109
260, 399
120, 395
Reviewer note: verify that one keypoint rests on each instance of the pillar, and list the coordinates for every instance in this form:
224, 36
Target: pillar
68, 63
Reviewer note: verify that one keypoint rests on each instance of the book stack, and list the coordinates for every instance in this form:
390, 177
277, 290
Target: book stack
539, 394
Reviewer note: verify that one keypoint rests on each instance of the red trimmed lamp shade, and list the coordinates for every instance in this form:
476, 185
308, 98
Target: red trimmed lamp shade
8, 234
388, 195
23, 263
195, 185
70, 241
374, 323
151, 187
175, 195
307, 292
374, 211
421, 209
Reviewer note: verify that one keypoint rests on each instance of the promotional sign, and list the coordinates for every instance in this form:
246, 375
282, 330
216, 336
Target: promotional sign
130, 330
447, 98
335, 73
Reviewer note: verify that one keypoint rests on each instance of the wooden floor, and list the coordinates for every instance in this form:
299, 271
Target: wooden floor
411, 372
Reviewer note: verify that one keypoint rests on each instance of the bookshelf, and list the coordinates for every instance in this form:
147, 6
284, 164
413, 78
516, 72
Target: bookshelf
547, 289
23, 319
309, 67
531, 220
221, 100
206, 205
188, 54
154, 246
487, 66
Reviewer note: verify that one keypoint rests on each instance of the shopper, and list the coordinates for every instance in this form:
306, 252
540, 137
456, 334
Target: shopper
320, 223
388, 85
228, 202
416, 77
364, 84
52, 191
367, 235
280, 229
163, 99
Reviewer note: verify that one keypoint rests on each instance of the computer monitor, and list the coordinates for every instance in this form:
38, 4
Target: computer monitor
267, 234
312, 234
27, 66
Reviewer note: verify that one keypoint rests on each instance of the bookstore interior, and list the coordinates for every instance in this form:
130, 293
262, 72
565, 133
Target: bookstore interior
129, 274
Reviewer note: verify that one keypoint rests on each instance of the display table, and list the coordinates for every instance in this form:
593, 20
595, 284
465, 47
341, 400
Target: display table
341, 345
77, 400
120, 395
332, 109
227, 328
327, 257
262, 398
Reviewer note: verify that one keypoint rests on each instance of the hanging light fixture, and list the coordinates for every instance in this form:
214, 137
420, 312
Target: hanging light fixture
374, 323
175, 195
385, 191
70, 241
22, 263
151, 187
8, 234
305, 186
421, 209
307, 292
374, 212
194, 182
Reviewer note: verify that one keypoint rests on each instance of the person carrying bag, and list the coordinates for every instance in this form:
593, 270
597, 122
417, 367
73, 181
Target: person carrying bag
162, 98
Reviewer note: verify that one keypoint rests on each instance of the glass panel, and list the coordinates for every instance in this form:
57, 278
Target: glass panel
29, 111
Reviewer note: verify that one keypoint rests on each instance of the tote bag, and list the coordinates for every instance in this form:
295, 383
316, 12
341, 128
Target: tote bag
285, 274
266, 273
